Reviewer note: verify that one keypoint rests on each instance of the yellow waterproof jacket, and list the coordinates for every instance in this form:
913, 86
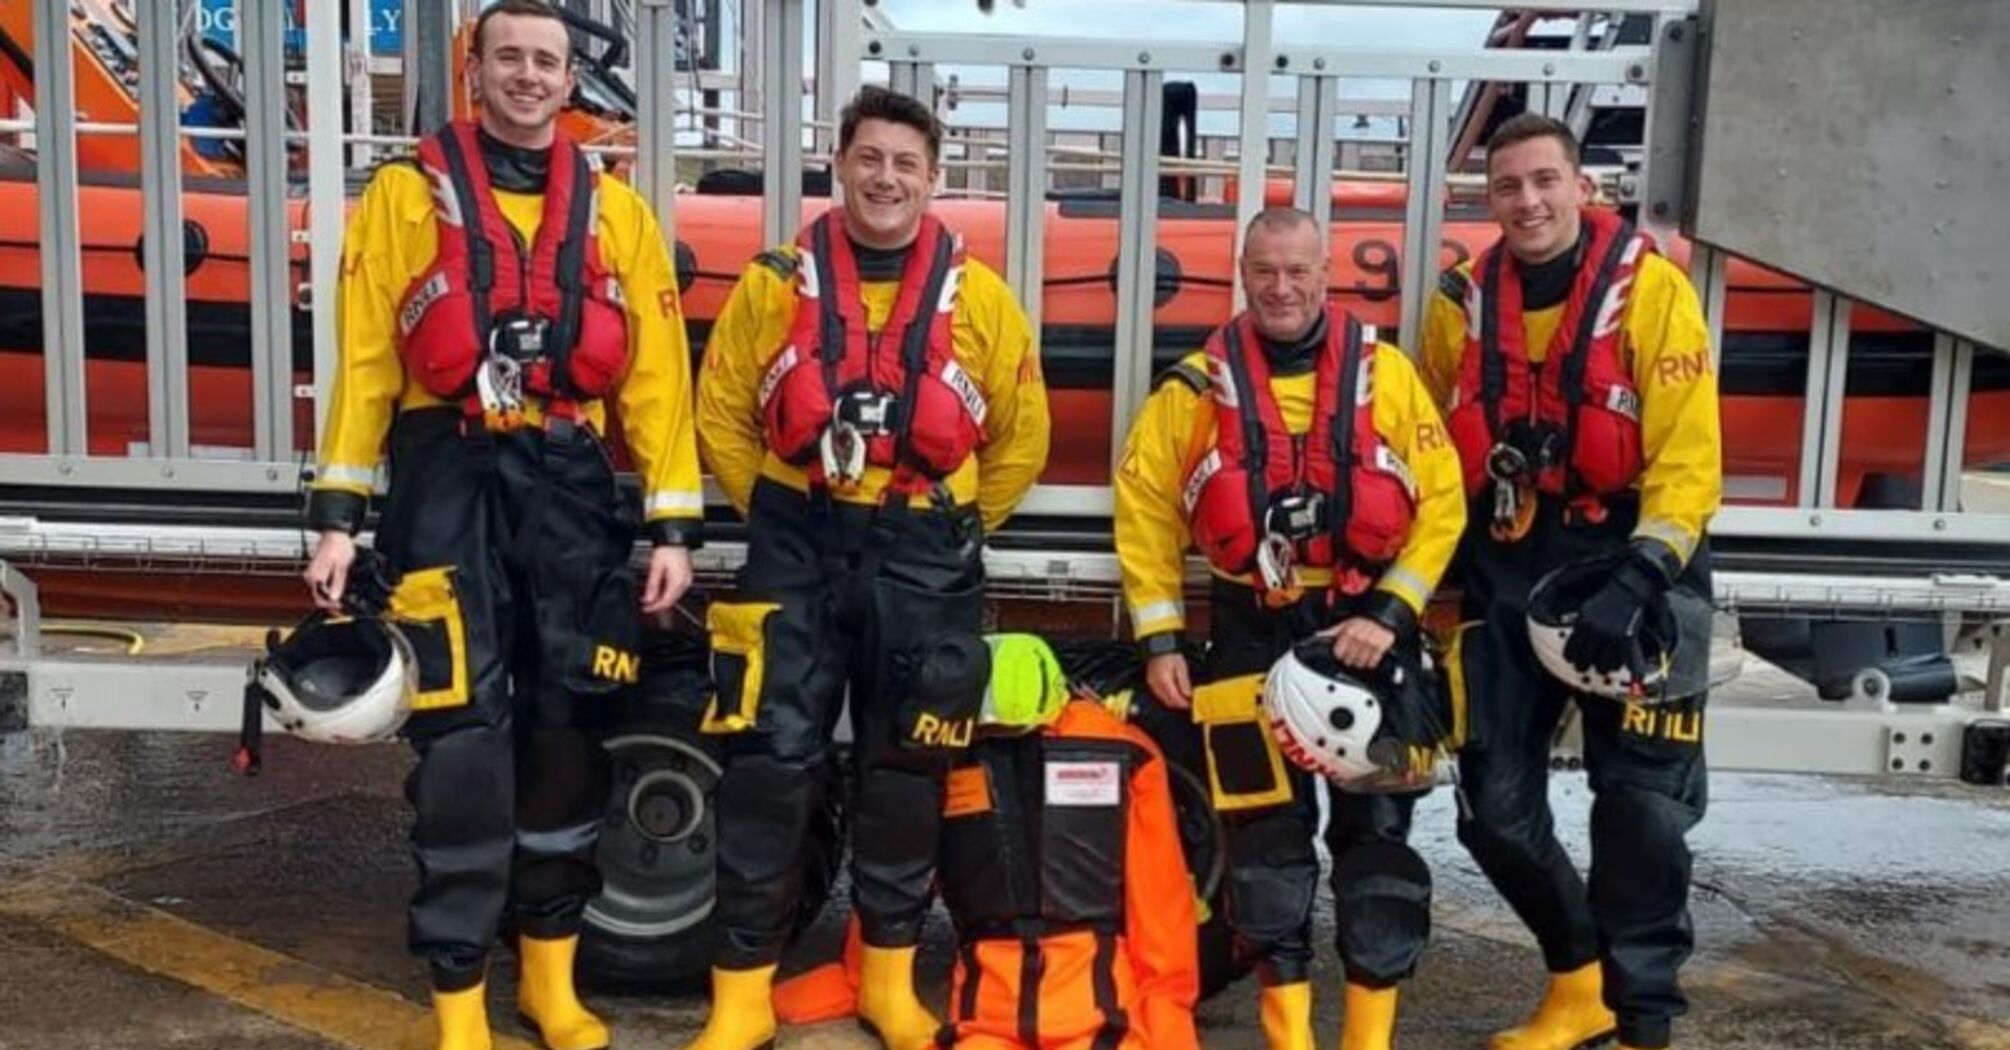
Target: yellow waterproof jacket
992, 342
1176, 427
392, 240
1665, 346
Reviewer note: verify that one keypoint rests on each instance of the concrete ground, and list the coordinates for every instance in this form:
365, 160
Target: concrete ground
150, 899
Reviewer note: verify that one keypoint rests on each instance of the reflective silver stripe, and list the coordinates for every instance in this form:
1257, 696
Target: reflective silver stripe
777, 368
965, 387
342, 474
1388, 462
1153, 612
1675, 536
1397, 578
675, 501
574, 839
1208, 467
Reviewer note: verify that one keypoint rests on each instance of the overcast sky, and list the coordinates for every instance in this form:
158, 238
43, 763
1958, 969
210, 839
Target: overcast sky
1196, 21
1201, 20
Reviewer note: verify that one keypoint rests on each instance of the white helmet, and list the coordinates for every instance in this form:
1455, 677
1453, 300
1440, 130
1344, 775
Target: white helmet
1553, 606
1323, 718
338, 681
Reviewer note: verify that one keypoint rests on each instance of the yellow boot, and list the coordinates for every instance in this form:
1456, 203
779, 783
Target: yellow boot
546, 999
1370, 1019
887, 1005
1287, 1016
743, 1012
463, 1018
1572, 1015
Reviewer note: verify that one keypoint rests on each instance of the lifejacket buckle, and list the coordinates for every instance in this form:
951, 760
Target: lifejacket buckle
499, 385
1277, 569
1514, 511
843, 451
1507, 464
867, 412
519, 337
1297, 516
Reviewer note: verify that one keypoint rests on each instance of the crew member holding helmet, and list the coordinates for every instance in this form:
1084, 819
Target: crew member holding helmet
497, 298
1306, 462
1574, 366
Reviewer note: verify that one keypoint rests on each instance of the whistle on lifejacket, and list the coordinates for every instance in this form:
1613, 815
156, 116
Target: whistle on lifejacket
499, 384
843, 449
1277, 570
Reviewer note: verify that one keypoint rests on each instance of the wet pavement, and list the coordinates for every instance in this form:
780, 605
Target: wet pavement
150, 899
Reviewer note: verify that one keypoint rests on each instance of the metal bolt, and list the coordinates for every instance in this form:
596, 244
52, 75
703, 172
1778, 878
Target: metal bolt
1435, 65
1636, 71
1319, 63
1283, 61
1144, 57
272, 473
1815, 520
874, 48
1940, 524
914, 50
1027, 54
1677, 31
65, 467
1228, 60
1549, 69
167, 472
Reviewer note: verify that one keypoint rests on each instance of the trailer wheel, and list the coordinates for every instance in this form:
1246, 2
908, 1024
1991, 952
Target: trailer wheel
651, 927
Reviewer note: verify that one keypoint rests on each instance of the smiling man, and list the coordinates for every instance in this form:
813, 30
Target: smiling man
1574, 366
871, 402
495, 297
1306, 462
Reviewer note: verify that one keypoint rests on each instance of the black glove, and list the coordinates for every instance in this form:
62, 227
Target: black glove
371, 581
1602, 639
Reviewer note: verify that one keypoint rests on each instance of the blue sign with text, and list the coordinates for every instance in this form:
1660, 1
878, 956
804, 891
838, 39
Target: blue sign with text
218, 20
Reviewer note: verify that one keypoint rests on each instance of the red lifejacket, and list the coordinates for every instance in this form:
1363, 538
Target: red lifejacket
901, 386
483, 277
1580, 399
1361, 496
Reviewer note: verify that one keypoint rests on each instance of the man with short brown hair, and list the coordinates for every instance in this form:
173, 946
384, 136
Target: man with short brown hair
497, 298
1574, 366
871, 402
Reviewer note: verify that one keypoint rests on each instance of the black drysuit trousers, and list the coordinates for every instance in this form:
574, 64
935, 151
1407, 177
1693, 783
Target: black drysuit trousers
859, 589
510, 786
1645, 768
1381, 887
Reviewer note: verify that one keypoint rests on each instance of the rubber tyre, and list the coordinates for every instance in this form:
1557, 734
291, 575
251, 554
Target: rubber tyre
651, 929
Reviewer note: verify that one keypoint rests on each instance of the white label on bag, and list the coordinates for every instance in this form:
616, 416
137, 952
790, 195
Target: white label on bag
1084, 784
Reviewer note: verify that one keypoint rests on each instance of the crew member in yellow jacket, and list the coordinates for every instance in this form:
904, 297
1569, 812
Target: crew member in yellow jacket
495, 297
1574, 366
871, 401
1307, 463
